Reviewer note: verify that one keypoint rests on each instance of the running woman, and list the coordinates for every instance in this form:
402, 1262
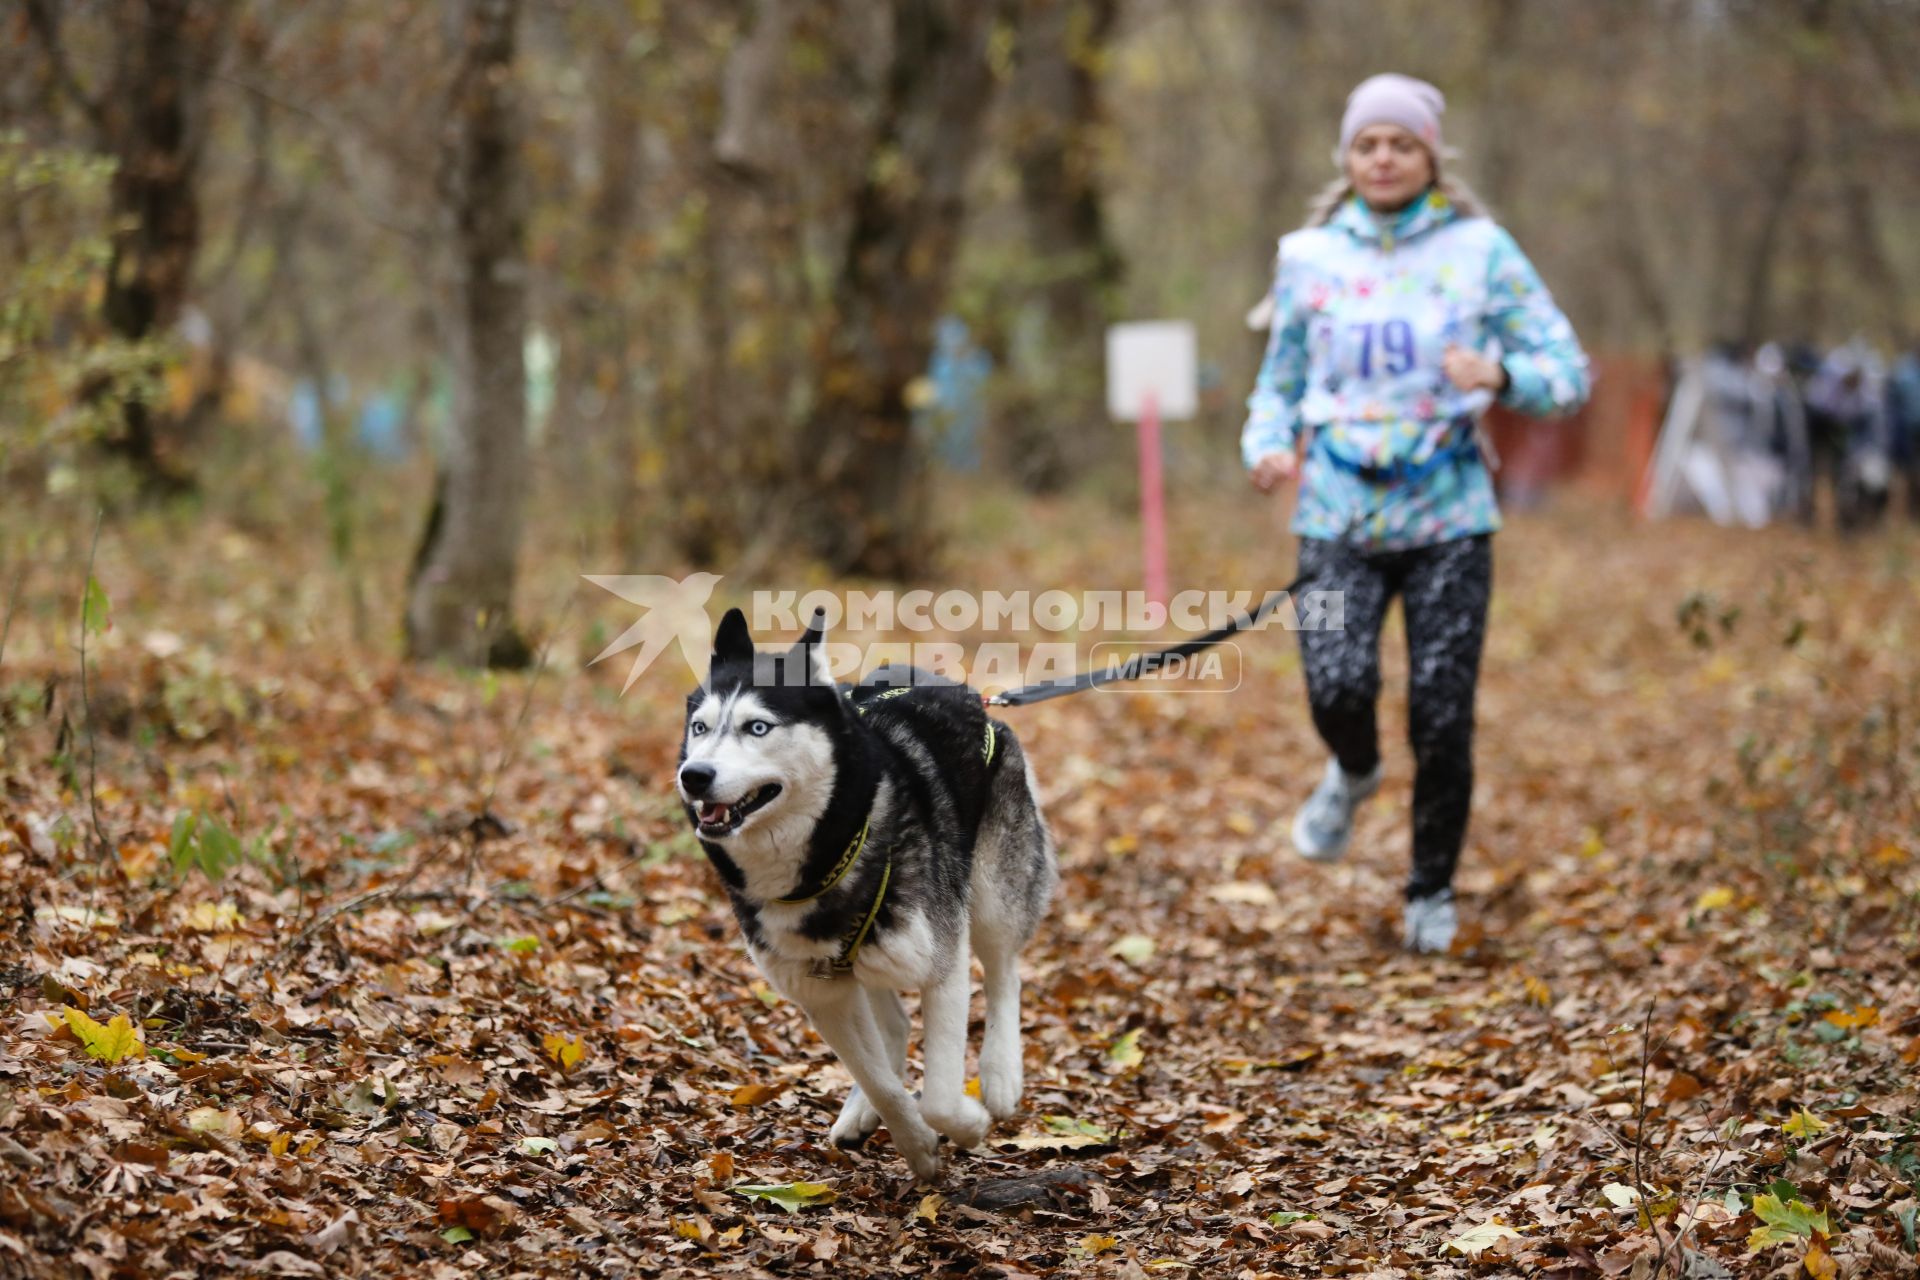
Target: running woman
1399, 314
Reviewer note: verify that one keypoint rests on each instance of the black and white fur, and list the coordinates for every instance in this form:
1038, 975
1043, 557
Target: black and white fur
779, 768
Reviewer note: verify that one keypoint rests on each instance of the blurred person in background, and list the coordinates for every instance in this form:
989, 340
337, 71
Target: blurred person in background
1400, 312
1903, 421
1785, 434
1847, 408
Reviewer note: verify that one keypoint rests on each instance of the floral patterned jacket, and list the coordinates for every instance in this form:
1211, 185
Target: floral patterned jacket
1362, 314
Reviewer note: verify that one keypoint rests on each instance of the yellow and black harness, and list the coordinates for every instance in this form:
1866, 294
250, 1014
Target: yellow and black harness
841, 963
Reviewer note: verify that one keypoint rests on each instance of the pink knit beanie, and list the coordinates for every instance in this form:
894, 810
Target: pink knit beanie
1412, 104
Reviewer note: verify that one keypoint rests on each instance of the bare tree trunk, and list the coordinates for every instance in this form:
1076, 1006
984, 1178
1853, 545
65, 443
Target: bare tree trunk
1278, 31
745, 273
150, 117
338, 461
1498, 164
1879, 276
868, 510
460, 604
742, 140
1754, 313
1056, 118
1647, 282
1795, 160
1813, 302
594, 438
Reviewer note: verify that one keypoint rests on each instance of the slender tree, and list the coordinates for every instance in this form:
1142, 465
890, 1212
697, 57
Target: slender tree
1498, 164
867, 513
1789, 169
460, 603
1278, 34
149, 114
1055, 127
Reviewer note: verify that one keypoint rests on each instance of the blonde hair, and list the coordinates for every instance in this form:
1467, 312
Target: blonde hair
1327, 201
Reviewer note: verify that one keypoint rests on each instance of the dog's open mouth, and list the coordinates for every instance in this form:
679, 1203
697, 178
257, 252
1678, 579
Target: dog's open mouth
715, 819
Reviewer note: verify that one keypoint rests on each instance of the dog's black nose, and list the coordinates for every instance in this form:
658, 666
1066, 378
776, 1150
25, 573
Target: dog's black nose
696, 778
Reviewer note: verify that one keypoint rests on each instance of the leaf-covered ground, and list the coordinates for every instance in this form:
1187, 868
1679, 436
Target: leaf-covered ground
461, 997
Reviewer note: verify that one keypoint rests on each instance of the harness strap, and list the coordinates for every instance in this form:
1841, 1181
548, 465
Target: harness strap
986, 751
850, 943
842, 964
852, 852
839, 871
1405, 473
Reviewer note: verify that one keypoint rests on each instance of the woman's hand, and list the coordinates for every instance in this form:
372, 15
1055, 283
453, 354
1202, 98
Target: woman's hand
1274, 468
1471, 371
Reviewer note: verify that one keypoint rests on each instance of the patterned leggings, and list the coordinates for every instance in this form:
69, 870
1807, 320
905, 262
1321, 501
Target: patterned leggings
1444, 589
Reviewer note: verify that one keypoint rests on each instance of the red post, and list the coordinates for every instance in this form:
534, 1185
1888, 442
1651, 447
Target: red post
1153, 507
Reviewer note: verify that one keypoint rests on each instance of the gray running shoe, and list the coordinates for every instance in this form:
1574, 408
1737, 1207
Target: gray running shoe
1431, 923
1324, 824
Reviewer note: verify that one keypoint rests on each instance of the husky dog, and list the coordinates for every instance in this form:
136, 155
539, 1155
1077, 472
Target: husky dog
867, 835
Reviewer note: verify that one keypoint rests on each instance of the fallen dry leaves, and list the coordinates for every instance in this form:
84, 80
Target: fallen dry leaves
466, 999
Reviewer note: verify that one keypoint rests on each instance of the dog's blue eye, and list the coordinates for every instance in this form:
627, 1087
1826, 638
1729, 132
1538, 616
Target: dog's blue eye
759, 728
698, 728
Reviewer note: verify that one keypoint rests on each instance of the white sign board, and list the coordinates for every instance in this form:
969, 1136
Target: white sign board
1157, 358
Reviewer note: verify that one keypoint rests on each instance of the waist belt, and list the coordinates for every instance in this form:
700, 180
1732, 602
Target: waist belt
1462, 443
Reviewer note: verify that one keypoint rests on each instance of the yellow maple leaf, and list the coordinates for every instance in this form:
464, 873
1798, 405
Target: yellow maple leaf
929, 1209
1538, 993
752, 1095
791, 1196
215, 1120
208, 917
1125, 1053
1098, 1244
1803, 1125
567, 1052
1713, 900
1863, 1015
110, 1043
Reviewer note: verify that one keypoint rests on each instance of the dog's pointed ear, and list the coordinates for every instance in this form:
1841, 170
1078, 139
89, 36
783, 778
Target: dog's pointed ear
816, 630
811, 650
732, 642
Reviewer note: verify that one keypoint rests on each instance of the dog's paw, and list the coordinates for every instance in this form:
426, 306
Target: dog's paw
919, 1146
856, 1122
959, 1118
1000, 1087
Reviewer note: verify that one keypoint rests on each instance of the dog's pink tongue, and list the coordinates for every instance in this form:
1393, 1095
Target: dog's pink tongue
713, 814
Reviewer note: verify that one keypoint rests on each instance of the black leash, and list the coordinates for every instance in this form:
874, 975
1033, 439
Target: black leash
1146, 663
